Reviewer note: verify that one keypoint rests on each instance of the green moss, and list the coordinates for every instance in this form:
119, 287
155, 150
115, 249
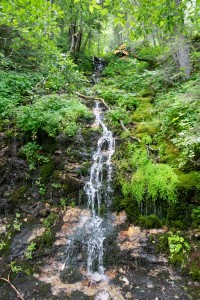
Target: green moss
148, 127
143, 112
195, 272
132, 210
45, 240
18, 194
189, 180
47, 170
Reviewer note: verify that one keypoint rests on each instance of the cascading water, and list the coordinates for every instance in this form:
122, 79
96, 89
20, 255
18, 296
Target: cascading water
98, 190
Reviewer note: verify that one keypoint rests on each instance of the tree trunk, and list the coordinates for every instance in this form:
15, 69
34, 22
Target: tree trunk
182, 48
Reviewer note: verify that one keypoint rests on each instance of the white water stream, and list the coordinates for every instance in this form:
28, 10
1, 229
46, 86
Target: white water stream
99, 192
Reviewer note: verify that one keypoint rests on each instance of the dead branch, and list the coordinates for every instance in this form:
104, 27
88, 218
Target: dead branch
93, 98
12, 286
121, 122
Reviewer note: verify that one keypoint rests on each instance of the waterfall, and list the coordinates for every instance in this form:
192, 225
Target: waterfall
99, 64
99, 192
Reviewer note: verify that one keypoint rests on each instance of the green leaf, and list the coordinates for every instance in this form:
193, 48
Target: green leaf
91, 8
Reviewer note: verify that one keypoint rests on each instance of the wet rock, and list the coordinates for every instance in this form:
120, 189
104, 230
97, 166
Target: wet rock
125, 280
71, 275
21, 240
129, 295
102, 295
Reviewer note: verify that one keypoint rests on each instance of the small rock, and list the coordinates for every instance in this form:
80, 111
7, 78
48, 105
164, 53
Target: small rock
85, 282
129, 295
125, 280
102, 295
97, 277
149, 285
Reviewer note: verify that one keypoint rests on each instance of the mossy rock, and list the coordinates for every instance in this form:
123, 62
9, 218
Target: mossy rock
148, 92
150, 128
77, 295
195, 272
143, 112
71, 275
47, 170
18, 195
172, 154
189, 180
180, 211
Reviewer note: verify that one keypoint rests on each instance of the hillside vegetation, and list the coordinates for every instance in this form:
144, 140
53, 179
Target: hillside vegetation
152, 106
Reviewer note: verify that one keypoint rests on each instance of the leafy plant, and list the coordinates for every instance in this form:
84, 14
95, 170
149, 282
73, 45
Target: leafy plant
52, 114
150, 180
179, 249
196, 216
14, 267
29, 251
32, 152
16, 223
63, 202
49, 221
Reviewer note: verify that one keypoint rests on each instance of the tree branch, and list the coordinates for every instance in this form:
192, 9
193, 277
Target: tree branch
12, 286
93, 98
121, 122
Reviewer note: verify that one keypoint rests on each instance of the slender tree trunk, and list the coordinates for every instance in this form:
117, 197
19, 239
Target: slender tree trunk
182, 52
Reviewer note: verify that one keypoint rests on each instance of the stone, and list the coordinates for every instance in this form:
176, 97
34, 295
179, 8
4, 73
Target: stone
129, 295
102, 295
125, 280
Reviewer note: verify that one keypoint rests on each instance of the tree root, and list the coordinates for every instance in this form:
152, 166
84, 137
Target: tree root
12, 286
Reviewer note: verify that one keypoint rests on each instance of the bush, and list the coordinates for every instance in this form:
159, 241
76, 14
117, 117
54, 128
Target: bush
179, 250
196, 217
52, 114
150, 180
151, 221
32, 152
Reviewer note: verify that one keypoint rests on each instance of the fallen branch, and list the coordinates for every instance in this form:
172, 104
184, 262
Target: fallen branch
93, 98
121, 122
133, 137
12, 286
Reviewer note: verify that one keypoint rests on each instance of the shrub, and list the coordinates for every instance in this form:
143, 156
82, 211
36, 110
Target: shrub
150, 180
179, 250
52, 114
196, 217
151, 221
32, 152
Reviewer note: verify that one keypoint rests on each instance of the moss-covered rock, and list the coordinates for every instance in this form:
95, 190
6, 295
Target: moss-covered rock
47, 170
18, 195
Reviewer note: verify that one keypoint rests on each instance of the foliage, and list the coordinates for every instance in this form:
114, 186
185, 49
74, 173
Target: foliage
50, 220
52, 114
16, 223
179, 112
151, 221
32, 152
196, 217
29, 251
14, 86
179, 249
15, 268
35, 23
117, 115
150, 180
63, 202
